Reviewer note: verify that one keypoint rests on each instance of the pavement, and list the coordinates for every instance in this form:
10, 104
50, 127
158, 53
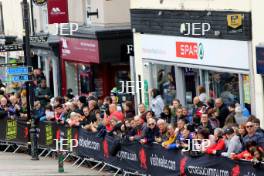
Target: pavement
21, 165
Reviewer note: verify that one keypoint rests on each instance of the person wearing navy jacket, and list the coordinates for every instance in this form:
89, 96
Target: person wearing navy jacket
152, 133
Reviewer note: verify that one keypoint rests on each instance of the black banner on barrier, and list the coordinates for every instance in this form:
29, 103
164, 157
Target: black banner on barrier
46, 136
162, 161
127, 156
42, 135
3, 129
74, 135
49, 131
22, 132
15, 131
212, 165
154, 160
90, 146
147, 159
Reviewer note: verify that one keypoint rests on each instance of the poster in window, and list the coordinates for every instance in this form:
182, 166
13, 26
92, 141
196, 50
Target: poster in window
246, 87
146, 94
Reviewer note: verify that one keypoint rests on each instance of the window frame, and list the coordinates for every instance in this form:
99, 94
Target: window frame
88, 8
2, 26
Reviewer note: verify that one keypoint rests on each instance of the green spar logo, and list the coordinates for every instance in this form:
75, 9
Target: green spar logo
201, 51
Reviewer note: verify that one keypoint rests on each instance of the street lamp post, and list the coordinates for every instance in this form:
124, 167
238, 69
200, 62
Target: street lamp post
30, 94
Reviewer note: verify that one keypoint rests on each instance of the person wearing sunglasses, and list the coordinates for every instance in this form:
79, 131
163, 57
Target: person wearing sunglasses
258, 128
152, 133
252, 135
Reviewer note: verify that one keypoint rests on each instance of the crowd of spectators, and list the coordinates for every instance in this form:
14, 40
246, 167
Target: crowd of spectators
214, 127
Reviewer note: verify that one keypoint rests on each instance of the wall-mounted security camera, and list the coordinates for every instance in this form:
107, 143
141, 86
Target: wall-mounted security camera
209, 13
146, 64
217, 33
183, 29
2, 41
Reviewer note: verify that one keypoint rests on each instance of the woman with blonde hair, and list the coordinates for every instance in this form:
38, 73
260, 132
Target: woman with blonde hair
171, 136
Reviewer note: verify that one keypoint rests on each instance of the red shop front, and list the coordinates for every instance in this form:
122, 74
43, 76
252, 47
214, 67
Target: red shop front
82, 70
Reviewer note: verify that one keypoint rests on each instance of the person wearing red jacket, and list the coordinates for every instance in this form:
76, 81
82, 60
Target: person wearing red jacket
219, 143
113, 114
246, 155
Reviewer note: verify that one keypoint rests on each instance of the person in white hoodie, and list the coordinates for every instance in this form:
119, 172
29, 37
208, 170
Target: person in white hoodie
232, 143
240, 119
157, 103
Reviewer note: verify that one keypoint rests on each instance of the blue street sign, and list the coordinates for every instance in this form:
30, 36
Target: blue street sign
20, 78
19, 70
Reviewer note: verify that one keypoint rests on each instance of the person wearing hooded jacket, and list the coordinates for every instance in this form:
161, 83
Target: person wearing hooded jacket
157, 103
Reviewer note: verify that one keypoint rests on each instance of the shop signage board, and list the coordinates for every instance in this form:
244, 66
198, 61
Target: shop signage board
12, 47
80, 50
235, 23
24, 70
207, 52
38, 39
58, 11
15, 78
20, 78
16, 73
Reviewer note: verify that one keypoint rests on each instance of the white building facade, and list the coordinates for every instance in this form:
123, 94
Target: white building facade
182, 44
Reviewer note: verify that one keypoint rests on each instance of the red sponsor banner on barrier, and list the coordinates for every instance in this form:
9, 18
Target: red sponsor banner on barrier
58, 11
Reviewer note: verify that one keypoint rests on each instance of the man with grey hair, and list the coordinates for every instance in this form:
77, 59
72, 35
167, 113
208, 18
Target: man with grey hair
3, 108
253, 135
219, 144
222, 111
162, 125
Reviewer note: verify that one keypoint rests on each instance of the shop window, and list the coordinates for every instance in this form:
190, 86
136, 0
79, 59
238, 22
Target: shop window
224, 85
45, 24
86, 81
192, 79
164, 81
122, 76
71, 77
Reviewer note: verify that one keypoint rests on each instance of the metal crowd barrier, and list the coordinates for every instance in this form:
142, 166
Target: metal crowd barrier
15, 134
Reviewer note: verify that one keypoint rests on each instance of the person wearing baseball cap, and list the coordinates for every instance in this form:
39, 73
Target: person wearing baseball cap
232, 143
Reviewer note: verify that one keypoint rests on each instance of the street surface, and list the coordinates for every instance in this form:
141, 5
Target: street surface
22, 165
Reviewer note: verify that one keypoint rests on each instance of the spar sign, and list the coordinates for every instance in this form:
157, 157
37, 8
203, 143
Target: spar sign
197, 51
190, 50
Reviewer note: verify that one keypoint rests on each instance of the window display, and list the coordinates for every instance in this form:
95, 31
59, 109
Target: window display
71, 77
224, 85
85, 78
165, 82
